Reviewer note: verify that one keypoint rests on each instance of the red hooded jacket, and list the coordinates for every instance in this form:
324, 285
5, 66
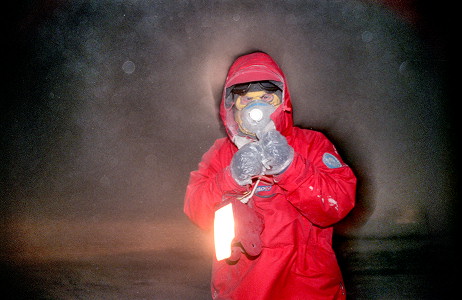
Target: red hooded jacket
298, 208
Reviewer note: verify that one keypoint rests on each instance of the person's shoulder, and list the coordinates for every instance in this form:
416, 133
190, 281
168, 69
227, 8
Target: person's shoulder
309, 133
222, 143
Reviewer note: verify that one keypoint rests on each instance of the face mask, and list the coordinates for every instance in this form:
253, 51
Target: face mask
253, 111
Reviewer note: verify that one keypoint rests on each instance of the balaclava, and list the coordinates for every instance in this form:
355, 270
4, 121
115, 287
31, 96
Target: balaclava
254, 102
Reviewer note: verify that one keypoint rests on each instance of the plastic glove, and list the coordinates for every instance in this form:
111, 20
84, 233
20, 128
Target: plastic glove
246, 163
277, 153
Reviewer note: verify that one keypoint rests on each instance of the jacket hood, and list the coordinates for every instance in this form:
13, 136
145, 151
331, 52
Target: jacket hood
256, 66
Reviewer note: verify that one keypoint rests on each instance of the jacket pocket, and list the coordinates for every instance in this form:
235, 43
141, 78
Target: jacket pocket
315, 261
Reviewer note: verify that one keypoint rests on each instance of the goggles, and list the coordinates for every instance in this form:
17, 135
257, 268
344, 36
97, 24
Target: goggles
242, 88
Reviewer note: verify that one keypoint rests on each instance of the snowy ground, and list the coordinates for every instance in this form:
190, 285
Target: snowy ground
147, 275
373, 269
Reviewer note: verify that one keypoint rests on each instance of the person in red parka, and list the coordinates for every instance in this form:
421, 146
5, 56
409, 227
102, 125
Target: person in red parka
303, 189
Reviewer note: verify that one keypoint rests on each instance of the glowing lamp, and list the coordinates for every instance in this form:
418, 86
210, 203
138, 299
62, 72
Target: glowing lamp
223, 231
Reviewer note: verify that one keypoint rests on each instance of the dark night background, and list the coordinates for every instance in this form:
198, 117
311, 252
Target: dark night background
108, 105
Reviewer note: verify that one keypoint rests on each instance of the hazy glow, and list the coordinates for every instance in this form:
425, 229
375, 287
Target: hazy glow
76, 239
224, 231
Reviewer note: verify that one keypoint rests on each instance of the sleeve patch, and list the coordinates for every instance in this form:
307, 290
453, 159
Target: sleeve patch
331, 161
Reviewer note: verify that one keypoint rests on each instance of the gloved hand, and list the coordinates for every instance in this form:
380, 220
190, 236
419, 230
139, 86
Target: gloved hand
277, 153
248, 227
246, 163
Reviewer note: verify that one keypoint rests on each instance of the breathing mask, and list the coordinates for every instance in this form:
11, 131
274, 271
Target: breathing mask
254, 106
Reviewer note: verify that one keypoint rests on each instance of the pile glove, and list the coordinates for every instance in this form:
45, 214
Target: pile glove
277, 153
246, 163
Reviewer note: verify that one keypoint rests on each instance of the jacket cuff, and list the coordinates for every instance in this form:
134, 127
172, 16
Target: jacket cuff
226, 182
295, 174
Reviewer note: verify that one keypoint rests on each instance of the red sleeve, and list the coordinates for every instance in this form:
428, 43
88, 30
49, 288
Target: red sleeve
318, 183
208, 184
